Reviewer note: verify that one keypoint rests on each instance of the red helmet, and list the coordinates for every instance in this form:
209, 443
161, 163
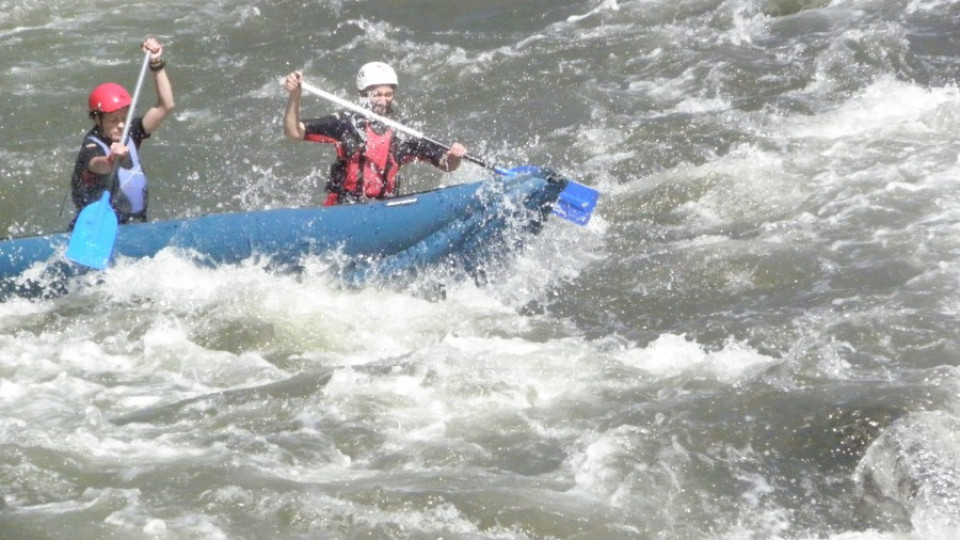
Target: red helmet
108, 97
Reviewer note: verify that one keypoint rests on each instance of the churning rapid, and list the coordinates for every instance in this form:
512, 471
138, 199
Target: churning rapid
755, 337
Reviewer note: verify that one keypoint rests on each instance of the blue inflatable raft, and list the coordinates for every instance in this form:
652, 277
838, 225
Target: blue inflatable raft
462, 225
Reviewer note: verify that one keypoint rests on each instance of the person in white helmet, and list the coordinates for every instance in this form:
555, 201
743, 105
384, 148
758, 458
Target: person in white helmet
369, 154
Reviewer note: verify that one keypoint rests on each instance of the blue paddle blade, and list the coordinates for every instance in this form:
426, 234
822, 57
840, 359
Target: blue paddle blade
91, 243
576, 203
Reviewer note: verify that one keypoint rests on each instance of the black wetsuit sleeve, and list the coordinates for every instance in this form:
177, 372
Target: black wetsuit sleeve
328, 129
88, 151
137, 132
420, 150
85, 185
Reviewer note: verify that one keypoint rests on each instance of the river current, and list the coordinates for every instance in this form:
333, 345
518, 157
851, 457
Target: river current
755, 337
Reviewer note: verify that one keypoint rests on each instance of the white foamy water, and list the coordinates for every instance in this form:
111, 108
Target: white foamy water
753, 338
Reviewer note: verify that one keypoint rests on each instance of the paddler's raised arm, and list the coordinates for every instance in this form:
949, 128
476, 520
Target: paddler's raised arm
293, 128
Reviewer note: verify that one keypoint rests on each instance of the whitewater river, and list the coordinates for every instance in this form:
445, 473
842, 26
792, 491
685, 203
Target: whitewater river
754, 338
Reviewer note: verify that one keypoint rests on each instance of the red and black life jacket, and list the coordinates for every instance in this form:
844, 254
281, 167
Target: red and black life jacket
372, 170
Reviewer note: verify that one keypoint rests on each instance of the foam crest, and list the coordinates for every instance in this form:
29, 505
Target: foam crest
887, 108
672, 355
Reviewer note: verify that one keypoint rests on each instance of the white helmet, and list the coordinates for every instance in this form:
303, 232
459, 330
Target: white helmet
375, 74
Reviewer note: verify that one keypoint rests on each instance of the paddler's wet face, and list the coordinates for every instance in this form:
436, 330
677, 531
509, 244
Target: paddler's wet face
380, 98
112, 123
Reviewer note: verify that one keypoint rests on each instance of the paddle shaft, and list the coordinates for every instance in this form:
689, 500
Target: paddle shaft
136, 96
133, 102
394, 124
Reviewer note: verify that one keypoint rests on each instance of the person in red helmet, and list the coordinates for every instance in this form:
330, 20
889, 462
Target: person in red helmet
369, 154
102, 153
